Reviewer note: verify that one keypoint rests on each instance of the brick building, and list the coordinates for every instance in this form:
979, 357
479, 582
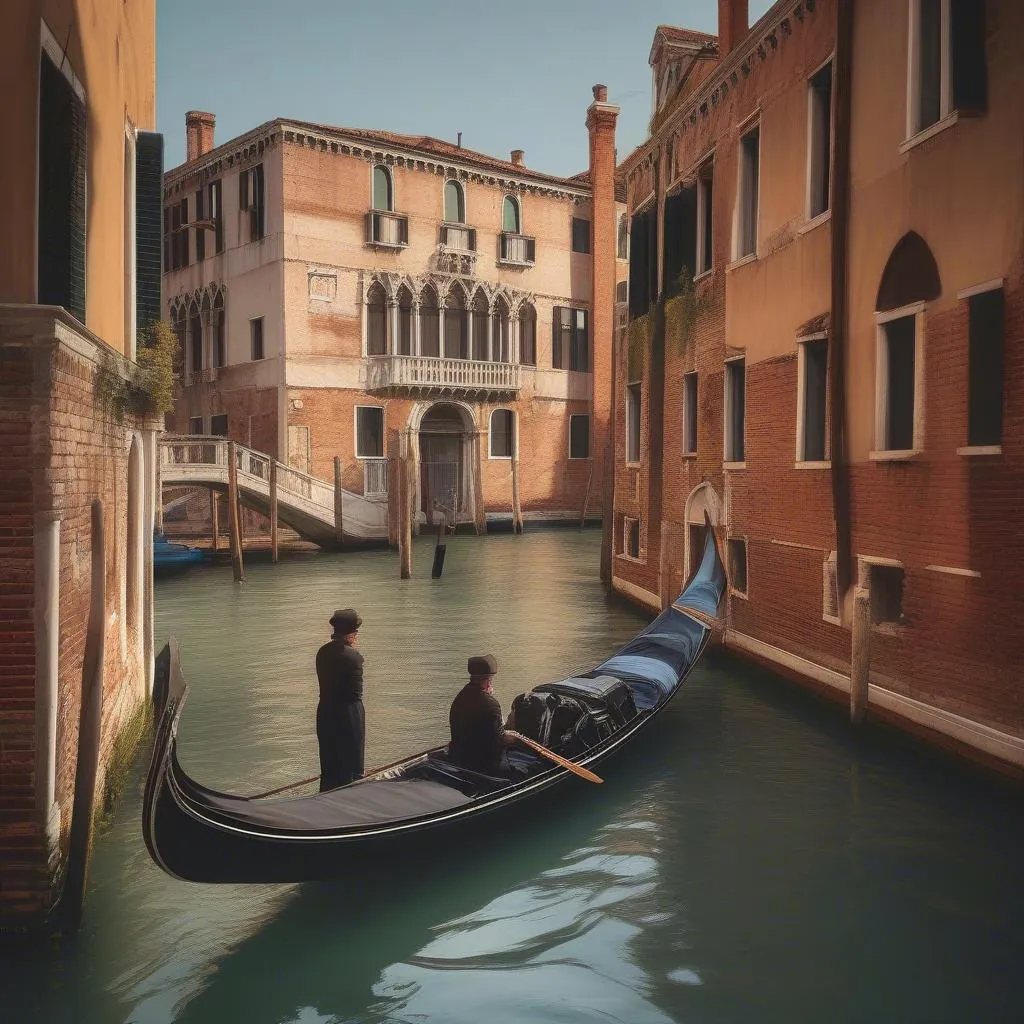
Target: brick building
824, 326
79, 274
338, 290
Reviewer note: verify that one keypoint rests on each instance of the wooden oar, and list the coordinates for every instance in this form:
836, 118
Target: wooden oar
576, 769
313, 778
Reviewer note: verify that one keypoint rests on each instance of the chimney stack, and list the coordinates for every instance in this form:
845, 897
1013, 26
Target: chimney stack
199, 127
733, 24
600, 93
517, 157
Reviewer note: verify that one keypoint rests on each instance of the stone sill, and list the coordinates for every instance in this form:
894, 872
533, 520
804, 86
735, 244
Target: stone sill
742, 261
930, 132
897, 455
813, 465
734, 465
981, 449
815, 222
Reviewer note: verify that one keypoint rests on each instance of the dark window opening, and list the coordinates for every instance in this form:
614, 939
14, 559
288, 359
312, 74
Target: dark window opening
220, 353
622, 243
195, 334
633, 422
376, 323
631, 540
985, 368
970, 64
643, 265
680, 231
750, 160
215, 192
528, 336
621, 291
200, 231
580, 235
929, 103
369, 432
735, 399
690, 413
252, 198
430, 325
256, 337
886, 594
705, 215
899, 360
219, 425
195, 424
502, 433
579, 437
149, 267
821, 140
815, 383
738, 564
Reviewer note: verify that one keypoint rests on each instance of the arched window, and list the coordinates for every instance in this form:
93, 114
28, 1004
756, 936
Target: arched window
376, 322
481, 321
503, 429
195, 338
455, 325
454, 203
510, 215
430, 341
382, 195
528, 335
502, 336
404, 321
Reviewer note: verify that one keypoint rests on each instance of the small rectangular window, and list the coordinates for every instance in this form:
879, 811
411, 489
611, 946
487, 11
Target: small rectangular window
220, 344
705, 217
369, 432
631, 537
579, 437
885, 587
215, 213
502, 433
632, 423
813, 390
251, 198
256, 337
196, 346
580, 235
898, 367
579, 351
819, 141
985, 368
621, 291
690, 414
735, 410
750, 168
527, 337
561, 336
200, 231
622, 243
195, 424
219, 425
738, 564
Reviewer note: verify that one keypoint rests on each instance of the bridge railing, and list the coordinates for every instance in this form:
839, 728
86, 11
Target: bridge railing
194, 451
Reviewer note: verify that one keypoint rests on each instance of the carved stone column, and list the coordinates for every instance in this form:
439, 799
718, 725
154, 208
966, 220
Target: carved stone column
392, 330
417, 343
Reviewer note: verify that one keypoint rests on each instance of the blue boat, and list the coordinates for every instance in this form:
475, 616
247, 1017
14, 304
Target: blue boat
170, 558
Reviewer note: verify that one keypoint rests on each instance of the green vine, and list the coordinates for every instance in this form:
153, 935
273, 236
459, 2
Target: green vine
638, 335
683, 310
141, 389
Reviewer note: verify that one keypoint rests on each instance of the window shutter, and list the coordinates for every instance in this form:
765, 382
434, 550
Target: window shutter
243, 190
970, 72
149, 242
79, 163
531, 250
472, 239
556, 337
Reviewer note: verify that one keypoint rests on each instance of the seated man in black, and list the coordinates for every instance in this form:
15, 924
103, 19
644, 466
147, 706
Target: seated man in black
478, 734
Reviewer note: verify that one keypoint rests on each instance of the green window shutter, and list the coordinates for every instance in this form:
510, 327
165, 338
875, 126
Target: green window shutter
149, 217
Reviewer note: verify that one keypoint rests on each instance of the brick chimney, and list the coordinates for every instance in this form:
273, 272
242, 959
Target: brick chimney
517, 157
733, 24
198, 134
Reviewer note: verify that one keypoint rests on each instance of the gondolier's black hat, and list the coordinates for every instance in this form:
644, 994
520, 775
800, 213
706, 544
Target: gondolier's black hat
483, 665
346, 620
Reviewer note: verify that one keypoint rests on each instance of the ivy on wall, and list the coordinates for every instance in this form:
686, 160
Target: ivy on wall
147, 388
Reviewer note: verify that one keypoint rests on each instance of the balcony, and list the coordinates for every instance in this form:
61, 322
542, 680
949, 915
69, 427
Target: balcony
516, 250
433, 375
458, 238
387, 230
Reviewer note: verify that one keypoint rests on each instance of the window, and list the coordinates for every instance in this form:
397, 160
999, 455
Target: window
61, 191
985, 369
622, 245
643, 262
738, 565
579, 437
256, 337
376, 322
690, 414
195, 334
219, 425
735, 409
947, 61
215, 192
454, 203
528, 336
632, 423
621, 291
580, 235
631, 537
705, 216
195, 425
128, 227
885, 590
896, 384
502, 433
570, 340
510, 215
179, 235
200, 231
819, 141
812, 374
383, 199
746, 213
369, 432
680, 240
220, 350
404, 322
149, 192
251, 198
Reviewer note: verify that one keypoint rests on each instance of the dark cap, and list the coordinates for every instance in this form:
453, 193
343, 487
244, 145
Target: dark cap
346, 620
483, 665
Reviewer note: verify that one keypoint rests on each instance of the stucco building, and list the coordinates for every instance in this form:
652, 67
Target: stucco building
340, 292
824, 334
79, 278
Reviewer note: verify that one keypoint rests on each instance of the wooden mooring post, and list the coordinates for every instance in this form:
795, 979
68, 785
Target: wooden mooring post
215, 519
517, 511
234, 514
586, 498
479, 514
405, 491
860, 656
273, 511
339, 531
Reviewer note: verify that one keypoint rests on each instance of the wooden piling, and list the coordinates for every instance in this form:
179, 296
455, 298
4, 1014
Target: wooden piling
479, 515
273, 511
215, 519
338, 490
404, 476
860, 659
517, 511
234, 515
586, 497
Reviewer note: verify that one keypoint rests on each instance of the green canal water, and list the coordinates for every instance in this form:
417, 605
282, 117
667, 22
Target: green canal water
750, 859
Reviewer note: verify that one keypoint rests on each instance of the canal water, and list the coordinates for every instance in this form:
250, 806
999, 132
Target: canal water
750, 859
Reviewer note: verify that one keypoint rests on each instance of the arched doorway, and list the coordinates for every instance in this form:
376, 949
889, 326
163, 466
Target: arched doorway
703, 498
446, 432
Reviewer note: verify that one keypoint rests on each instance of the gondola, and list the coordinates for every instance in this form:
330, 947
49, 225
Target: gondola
170, 559
424, 806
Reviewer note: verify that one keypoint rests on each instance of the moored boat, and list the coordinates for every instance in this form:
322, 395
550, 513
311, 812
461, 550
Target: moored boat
420, 806
170, 558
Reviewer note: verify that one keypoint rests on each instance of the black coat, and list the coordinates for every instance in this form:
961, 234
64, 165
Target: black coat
340, 718
477, 730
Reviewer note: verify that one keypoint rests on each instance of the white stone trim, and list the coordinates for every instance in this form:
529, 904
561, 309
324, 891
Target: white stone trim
981, 289
880, 451
954, 572
980, 449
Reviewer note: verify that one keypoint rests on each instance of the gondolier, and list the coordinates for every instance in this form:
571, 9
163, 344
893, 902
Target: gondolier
340, 717
478, 731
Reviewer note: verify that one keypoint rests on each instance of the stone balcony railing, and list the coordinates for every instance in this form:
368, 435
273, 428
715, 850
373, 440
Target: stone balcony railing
429, 374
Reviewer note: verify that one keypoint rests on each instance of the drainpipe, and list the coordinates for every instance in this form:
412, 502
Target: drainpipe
839, 429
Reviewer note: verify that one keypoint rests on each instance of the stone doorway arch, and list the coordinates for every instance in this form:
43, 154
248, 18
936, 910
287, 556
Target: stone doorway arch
445, 435
703, 498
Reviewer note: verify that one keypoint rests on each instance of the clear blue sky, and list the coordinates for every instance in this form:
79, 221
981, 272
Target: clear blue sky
508, 74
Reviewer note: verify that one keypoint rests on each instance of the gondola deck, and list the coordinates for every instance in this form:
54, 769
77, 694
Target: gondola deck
201, 835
